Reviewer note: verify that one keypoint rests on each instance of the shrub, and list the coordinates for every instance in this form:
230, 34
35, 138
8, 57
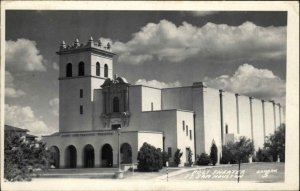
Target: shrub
149, 158
177, 156
262, 155
214, 154
203, 159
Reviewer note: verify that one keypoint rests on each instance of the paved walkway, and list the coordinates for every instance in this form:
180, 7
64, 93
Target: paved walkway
180, 171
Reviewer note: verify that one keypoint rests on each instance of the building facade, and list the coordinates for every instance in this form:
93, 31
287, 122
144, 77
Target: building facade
100, 112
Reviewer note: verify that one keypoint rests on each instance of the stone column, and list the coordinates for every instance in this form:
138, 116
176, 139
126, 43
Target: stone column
251, 117
97, 153
80, 155
62, 157
221, 115
264, 120
274, 112
237, 113
279, 108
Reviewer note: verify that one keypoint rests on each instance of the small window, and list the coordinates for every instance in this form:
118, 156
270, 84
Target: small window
151, 106
187, 130
69, 70
81, 93
97, 69
81, 109
81, 69
105, 71
190, 134
183, 125
170, 151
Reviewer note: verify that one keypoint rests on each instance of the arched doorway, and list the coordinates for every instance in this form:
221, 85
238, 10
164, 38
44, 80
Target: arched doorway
54, 156
126, 153
71, 157
89, 156
107, 156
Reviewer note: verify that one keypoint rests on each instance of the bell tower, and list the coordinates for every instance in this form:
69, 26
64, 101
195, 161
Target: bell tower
82, 68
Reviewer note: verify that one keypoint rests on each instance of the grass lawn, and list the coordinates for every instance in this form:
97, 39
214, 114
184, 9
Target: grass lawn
254, 172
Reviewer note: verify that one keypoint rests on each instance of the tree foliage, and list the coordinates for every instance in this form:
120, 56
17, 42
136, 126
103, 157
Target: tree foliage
150, 159
23, 158
177, 157
203, 159
275, 144
214, 154
239, 151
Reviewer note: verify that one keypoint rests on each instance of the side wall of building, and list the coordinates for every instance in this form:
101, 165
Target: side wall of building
258, 129
177, 98
151, 98
212, 119
269, 116
244, 116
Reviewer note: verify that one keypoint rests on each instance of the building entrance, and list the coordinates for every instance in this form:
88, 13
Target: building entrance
107, 156
71, 157
89, 156
55, 156
126, 154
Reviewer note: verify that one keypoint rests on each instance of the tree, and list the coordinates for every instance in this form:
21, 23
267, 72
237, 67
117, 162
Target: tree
275, 144
241, 150
149, 158
214, 153
22, 158
177, 157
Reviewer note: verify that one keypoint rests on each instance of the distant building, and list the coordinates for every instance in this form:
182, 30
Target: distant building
94, 104
19, 132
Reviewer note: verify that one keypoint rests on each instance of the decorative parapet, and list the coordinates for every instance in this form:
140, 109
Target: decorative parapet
90, 44
122, 117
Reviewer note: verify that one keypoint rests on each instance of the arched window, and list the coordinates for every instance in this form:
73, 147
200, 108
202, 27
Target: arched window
81, 69
105, 71
97, 69
116, 104
69, 70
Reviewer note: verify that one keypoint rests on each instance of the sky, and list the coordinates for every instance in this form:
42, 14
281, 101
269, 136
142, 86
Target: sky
242, 52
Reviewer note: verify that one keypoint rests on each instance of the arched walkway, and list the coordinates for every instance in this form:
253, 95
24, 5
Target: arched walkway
126, 153
71, 157
107, 156
89, 156
54, 156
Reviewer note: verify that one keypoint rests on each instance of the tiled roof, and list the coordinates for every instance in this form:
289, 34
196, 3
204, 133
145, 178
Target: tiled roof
11, 128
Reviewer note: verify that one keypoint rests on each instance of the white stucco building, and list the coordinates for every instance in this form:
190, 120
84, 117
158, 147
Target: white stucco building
94, 103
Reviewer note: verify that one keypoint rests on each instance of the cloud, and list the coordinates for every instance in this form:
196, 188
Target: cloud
54, 104
157, 84
165, 41
10, 90
251, 81
24, 117
23, 55
203, 13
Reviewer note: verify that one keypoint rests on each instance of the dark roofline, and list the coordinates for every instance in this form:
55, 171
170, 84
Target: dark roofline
12, 128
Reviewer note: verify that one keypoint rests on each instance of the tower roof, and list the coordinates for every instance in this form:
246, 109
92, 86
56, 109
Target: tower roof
89, 46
